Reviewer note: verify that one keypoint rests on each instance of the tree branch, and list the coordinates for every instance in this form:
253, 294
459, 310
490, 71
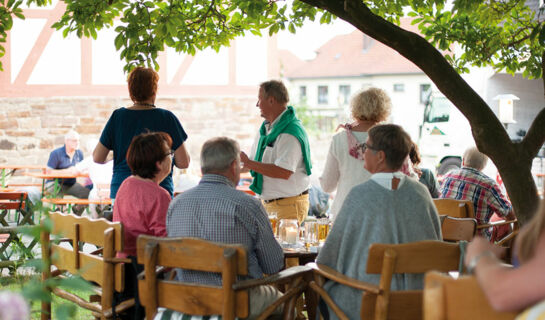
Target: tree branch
485, 125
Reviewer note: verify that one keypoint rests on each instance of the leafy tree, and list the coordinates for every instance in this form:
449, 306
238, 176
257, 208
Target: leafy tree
504, 34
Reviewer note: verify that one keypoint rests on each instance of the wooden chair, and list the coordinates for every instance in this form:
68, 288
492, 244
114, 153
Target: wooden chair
229, 300
454, 208
378, 302
100, 267
457, 229
446, 298
464, 209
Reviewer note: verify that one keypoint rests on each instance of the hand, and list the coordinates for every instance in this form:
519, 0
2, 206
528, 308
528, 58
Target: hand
244, 160
479, 245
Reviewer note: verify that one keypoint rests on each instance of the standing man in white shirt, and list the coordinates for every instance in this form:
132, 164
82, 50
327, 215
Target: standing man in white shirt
281, 163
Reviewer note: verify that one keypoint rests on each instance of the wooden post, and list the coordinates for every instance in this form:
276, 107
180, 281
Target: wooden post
229, 276
46, 272
383, 299
108, 286
150, 262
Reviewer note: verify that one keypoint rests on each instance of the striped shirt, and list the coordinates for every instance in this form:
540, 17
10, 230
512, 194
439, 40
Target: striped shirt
470, 184
215, 211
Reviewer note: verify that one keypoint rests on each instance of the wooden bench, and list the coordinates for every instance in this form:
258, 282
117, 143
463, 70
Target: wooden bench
69, 202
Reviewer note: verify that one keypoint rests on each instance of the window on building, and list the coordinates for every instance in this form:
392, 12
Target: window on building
399, 87
344, 94
425, 90
323, 95
302, 93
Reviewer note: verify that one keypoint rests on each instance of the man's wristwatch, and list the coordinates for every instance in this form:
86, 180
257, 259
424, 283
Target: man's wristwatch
473, 262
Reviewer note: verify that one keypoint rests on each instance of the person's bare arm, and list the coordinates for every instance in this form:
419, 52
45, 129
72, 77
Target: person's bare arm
507, 288
181, 157
100, 153
266, 169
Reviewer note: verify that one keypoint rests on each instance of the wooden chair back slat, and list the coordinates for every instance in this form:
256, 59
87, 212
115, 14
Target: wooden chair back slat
194, 254
205, 300
91, 230
454, 208
92, 267
457, 229
403, 305
446, 298
415, 257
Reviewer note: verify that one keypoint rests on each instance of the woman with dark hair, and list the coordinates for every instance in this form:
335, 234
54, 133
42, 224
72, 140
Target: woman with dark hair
425, 176
142, 116
141, 204
388, 208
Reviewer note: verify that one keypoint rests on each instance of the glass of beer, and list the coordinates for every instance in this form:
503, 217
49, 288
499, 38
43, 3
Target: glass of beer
273, 219
323, 229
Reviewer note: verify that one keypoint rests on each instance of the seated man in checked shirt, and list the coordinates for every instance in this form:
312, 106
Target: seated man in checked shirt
215, 211
469, 183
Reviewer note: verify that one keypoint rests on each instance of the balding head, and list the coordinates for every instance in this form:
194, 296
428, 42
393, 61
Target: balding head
474, 159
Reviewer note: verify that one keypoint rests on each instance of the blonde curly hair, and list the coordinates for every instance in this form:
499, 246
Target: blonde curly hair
372, 104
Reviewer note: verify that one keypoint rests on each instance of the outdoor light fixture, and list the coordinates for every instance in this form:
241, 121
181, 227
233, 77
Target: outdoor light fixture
505, 112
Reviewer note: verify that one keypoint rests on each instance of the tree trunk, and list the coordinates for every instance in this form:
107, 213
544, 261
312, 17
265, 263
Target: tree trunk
513, 160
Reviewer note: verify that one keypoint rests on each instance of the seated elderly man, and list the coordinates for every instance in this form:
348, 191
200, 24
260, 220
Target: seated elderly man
469, 183
214, 210
388, 208
64, 160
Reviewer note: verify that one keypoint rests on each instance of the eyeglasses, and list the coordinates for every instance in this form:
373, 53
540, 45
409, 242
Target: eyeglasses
365, 146
170, 154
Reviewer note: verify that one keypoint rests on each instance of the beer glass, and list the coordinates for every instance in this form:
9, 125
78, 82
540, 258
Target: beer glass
323, 229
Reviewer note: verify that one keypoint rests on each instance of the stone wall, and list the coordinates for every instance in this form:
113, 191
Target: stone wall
31, 127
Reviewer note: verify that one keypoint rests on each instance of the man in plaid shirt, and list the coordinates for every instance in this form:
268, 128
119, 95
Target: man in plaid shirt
215, 211
469, 183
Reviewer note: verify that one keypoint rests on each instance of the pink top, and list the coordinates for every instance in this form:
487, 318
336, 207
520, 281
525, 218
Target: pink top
141, 206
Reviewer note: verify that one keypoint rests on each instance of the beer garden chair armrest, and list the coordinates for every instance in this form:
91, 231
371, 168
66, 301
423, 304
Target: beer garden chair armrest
496, 223
283, 276
336, 276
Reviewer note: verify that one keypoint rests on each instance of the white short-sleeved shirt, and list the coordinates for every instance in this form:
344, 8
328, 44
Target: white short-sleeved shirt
285, 153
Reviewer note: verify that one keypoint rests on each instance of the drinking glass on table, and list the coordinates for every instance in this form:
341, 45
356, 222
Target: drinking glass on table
323, 229
273, 219
311, 233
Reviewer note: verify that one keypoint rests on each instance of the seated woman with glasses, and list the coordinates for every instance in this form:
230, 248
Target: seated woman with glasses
388, 208
141, 204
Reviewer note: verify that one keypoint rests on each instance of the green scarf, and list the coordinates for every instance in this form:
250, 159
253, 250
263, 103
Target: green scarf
289, 124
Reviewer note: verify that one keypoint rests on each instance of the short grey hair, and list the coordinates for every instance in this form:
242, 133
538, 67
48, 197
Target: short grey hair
71, 135
473, 158
218, 153
275, 89
372, 104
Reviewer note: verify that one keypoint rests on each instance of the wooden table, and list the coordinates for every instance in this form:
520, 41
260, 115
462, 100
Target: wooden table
55, 177
8, 170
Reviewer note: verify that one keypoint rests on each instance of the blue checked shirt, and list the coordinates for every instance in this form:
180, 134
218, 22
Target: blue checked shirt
214, 210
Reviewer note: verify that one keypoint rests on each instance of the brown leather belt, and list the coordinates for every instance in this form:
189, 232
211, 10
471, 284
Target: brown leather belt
272, 200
